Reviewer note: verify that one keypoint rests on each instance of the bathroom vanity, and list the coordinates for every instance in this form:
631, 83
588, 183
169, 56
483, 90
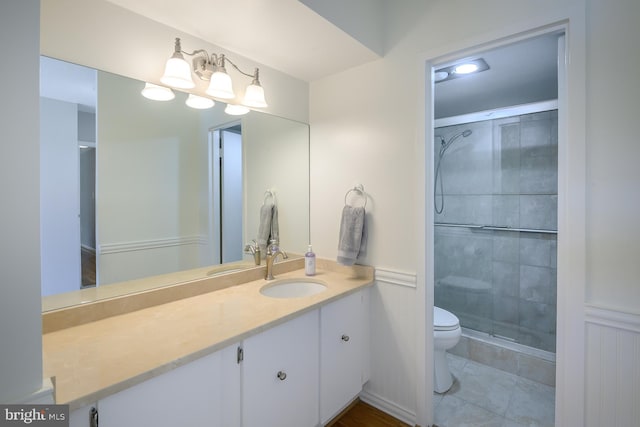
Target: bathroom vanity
229, 357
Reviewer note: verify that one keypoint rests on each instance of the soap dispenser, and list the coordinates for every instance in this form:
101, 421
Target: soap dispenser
309, 262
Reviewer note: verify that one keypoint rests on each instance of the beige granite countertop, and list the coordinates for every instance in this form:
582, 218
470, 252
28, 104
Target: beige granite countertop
93, 360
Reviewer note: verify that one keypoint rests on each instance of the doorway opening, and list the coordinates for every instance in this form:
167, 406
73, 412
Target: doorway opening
494, 229
88, 262
225, 193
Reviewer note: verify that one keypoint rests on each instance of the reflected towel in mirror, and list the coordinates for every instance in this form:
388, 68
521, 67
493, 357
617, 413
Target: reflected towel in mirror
268, 228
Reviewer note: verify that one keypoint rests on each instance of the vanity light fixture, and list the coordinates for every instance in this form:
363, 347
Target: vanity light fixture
211, 68
157, 93
460, 69
236, 110
199, 102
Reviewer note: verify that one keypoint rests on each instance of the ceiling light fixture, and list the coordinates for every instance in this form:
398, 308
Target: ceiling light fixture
177, 74
199, 102
460, 69
440, 76
157, 93
466, 68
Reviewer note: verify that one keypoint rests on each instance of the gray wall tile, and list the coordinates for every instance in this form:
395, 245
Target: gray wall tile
504, 174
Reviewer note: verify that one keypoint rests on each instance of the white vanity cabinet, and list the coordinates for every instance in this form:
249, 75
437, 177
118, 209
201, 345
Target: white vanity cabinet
343, 346
299, 373
204, 392
280, 375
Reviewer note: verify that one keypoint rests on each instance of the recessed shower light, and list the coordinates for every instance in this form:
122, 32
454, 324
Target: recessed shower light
460, 69
466, 68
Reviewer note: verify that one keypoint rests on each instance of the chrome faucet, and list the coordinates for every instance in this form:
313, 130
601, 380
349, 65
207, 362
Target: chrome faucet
272, 253
254, 250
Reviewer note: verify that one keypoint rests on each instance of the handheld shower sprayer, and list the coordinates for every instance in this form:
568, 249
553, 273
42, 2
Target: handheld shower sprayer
444, 145
465, 133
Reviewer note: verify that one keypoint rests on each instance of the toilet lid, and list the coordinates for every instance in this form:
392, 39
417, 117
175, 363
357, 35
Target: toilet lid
444, 320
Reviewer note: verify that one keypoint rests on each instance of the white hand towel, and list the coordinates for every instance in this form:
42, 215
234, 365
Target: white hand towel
351, 233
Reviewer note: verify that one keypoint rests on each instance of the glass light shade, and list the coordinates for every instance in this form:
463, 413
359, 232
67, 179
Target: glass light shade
199, 102
236, 110
220, 86
440, 76
177, 73
157, 93
254, 96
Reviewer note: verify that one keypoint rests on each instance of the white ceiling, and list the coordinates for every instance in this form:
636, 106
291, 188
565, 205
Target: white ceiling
519, 73
285, 35
288, 36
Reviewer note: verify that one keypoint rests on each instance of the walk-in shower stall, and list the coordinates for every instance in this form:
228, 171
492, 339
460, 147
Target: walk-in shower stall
495, 201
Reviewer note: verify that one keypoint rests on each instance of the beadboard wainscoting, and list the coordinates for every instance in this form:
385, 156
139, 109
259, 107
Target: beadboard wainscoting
123, 261
612, 368
392, 386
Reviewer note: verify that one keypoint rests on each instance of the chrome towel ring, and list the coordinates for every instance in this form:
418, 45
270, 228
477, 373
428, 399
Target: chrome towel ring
359, 190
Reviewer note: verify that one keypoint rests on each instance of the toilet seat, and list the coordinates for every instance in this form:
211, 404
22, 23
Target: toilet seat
444, 320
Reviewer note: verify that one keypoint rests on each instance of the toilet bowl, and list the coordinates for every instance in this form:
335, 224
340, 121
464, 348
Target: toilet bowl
446, 334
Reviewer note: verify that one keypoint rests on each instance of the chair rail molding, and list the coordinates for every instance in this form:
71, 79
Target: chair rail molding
396, 277
140, 245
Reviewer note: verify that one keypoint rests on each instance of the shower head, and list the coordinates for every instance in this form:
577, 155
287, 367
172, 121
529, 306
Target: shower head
445, 144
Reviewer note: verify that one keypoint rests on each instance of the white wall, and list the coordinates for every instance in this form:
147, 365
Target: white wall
365, 128
613, 208
98, 34
20, 319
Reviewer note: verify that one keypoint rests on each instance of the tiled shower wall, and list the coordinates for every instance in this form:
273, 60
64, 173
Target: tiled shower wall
503, 175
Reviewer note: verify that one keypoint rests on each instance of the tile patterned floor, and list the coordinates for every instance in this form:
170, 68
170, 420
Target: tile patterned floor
482, 396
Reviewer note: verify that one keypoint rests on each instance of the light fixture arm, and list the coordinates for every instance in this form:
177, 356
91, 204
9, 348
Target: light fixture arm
205, 64
253, 76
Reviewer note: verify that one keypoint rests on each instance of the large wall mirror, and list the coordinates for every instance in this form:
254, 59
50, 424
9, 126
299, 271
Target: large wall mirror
155, 192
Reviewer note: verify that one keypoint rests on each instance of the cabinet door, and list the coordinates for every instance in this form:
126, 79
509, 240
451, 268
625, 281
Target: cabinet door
342, 351
81, 417
190, 395
280, 375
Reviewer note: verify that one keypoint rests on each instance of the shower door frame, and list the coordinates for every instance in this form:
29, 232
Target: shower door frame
571, 269
498, 113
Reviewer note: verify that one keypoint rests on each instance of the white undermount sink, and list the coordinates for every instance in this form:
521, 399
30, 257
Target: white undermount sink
292, 288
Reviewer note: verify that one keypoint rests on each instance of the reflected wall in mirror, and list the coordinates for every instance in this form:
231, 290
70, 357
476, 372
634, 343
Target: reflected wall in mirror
164, 190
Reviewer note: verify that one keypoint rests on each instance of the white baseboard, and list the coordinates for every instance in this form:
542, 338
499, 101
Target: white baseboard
390, 408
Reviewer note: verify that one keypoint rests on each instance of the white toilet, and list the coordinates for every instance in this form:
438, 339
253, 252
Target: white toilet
446, 334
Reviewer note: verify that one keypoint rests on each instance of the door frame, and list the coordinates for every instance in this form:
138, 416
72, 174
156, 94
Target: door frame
571, 269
